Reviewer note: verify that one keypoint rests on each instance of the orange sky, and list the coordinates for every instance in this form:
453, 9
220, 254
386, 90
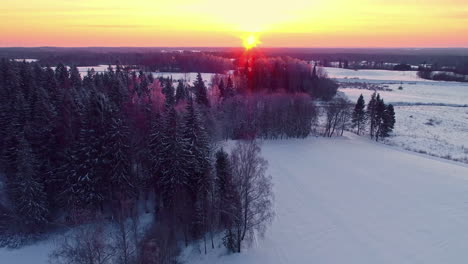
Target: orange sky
288, 23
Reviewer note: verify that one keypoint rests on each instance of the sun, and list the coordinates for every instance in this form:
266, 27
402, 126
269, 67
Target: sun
251, 41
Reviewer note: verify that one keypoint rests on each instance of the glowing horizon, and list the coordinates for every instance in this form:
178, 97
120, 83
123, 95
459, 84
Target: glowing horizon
211, 23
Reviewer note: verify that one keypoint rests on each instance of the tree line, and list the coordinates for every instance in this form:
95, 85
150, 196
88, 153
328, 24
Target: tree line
76, 148
377, 118
79, 150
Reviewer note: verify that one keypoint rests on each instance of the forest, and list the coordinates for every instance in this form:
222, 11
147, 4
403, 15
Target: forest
79, 152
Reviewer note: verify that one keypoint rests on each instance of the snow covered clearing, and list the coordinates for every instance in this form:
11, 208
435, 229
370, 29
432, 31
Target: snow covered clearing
347, 200
431, 116
436, 130
350, 200
380, 75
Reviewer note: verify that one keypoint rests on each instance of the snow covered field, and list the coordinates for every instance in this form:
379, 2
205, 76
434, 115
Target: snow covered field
431, 116
350, 200
190, 77
347, 200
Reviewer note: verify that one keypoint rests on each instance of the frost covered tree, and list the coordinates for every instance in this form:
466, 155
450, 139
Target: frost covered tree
123, 184
359, 115
253, 199
27, 191
198, 167
173, 183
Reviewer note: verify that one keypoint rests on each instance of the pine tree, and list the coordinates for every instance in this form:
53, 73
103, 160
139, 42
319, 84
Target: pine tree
359, 115
201, 94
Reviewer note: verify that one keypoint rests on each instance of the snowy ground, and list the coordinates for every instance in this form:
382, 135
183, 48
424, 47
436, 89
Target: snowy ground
350, 200
39, 252
347, 200
431, 116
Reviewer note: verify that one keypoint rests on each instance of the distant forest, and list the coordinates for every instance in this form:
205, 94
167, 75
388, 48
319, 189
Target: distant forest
218, 60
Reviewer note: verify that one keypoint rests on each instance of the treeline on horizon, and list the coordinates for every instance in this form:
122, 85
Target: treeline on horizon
74, 148
210, 59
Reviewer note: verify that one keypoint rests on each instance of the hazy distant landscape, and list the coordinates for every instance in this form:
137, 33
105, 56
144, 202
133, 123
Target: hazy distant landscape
208, 131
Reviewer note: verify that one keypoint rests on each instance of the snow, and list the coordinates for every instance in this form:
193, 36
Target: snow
350, 200
39, 251
381, 75
446, 103
347, 200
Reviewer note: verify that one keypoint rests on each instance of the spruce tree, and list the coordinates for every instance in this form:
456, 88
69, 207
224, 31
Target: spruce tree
201, 94
197, 164
75, 77
173, 181
379, 118
27, 191
181, 92
388, 121
359, 115
222, 90
122, 181
168, 91
229, 87
223, 188
371, 113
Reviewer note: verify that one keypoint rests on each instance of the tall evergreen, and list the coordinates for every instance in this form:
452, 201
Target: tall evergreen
27, 191
388, 121
181, 92
223, 188
122, 180
371, 113
379, 118
229, 87
197, 164
201, 93
173, 182
168, 91
359, 115
222, 89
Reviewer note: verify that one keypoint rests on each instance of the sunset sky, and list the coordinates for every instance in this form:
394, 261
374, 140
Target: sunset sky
289, 23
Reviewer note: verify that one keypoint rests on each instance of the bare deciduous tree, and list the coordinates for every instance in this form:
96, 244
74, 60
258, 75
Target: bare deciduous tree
338, 114
252, 202
87, 244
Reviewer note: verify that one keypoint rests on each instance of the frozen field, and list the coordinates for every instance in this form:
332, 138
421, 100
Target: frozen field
346, 200
432, 116
350, 200
190, 77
